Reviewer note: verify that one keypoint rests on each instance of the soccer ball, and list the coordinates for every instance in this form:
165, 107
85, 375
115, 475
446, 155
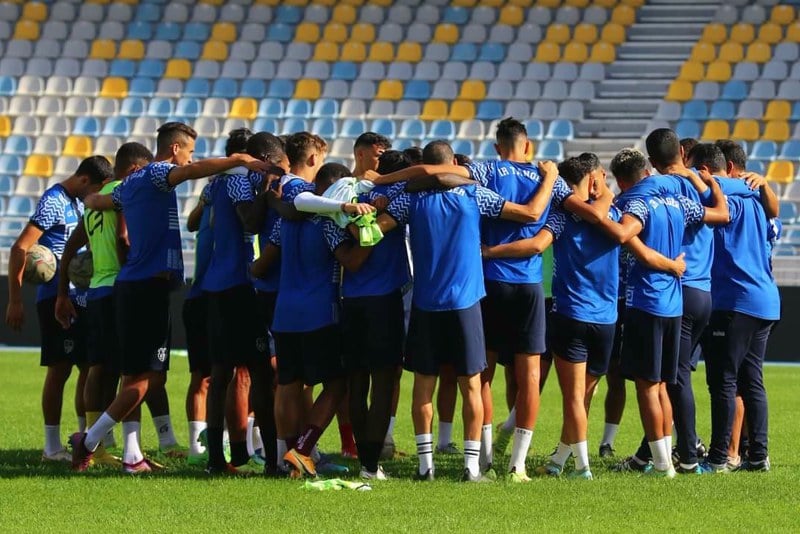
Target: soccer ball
40, 265
81, 270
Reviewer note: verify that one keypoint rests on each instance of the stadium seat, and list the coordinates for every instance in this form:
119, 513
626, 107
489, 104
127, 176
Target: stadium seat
777, 130
86, 126
692, 71
715, 129
779, 171
695, 110
40, 165
244, 108
722, 109
550, 149
412, 129
764, 150
679, 91
743, 33
561, 130
18, 145
735, 90
461, 110
746, 130
719, 71
791, 150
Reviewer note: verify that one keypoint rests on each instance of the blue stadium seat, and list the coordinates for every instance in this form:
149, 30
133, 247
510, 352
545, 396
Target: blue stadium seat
325, 108
252, 88
144, 87
197, 31
489, 110
218, 148
463, 146
722, 109
695, 110
442, 129
266, 124
494, 52
18, 145
168, 31
89, 126
486, 150
148, 12
687, 128
3, 205
11, 165
197, 87
756, 166
271, 107
796, 111
151, 68
344, 70
124, 68
325, 128
535, 129
20, 206
412, 129
133, 106
456, 15
352, 128
280, 33
160, 107
189, 107
764, 150
295, 125
6, 185
466, 52
140, 30
118, 126
550, 149
288, 14
225, 88
187, 50
300, 109
281, 89
184, 189
201, 148
791, 150
417, 90
384, 127
402, 143
561, 129
787, 212
735, 90
8, 86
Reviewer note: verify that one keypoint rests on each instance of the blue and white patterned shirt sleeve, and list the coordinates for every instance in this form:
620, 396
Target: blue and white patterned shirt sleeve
294, 187
400, 208
159, 171
555, 222
239, 188
560, 192
334, 235
116, 197
638, 208
490, 204
693, 212
275, 234
49, 212
479, 171
205, 194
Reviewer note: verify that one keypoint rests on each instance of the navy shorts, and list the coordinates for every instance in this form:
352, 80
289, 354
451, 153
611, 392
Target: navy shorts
514, 318
195, 323
650, 347
373, 332
143, 325
59, 345
310, 357
266, 304
580, 342
548, 353
619, 330
452, 337
103, 342
237, 335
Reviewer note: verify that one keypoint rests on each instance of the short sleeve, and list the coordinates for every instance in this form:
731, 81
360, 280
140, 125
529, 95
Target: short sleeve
400, 208
734, 206
480, 171
334, 235
239, 188
294, 187
614, 214
638, 208
159, 173
490, 204
49, 212
205, 195
555, 222
693, 212
275, 234
560, 191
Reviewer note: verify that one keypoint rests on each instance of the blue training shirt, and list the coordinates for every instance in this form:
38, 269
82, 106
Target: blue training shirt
56, 215
585, 268
445, 243
269, 282
515, 182
204, 246
664, 220
151, 212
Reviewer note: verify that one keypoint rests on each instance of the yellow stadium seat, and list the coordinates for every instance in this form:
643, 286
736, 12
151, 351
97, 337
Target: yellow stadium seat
793, 33
742, 33
389, 90
548, 53
770, 33
522, 3
746, 130
623, 14
434, 110
325, 51
703, 52
511, 15
692, 71
778, 110
357, 3
472, 90
782, 15
777, 130
244, 108
758, 52
223, 31
446, 33
78, 146
603, 53
215, 51
780, 171
356, 52
334, 33
585, 33
382, 3
714, 33
679, 91
307, 32
719, 71
731, 52
409, 52
103, 49
464, 3
344, 14
38, 165
382, 52
35, 11
308, 89
362, 33
716, 129
558, 34
178, 68
5, 126
26, 30
462, 110
576, 3
548, 3
608, 4
212, 2
576, 53
492, 3
131, 49
613, 33
114, 88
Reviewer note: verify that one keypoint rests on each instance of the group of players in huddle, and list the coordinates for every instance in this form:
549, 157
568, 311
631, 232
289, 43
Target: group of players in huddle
429, 262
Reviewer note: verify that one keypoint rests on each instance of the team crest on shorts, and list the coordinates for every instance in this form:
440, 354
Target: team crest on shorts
69, 346
261, 344
162, 354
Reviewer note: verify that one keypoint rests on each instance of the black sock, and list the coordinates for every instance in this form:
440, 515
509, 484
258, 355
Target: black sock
216, 456
239, 454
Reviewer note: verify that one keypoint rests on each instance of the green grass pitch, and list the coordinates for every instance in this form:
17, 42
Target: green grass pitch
38, 498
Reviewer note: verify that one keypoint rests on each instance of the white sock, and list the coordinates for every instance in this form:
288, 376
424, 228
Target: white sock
52, 439
258, 445
251, 422
519, 450
445, 434
511, 421
661, 460
425, 452
580, 451
472, 452
98, 431
609, 434
109, 441
131, 453
390, 430
561, 455
487, 455
166, 435
81, 424
668, 443
195, 447
282, 450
